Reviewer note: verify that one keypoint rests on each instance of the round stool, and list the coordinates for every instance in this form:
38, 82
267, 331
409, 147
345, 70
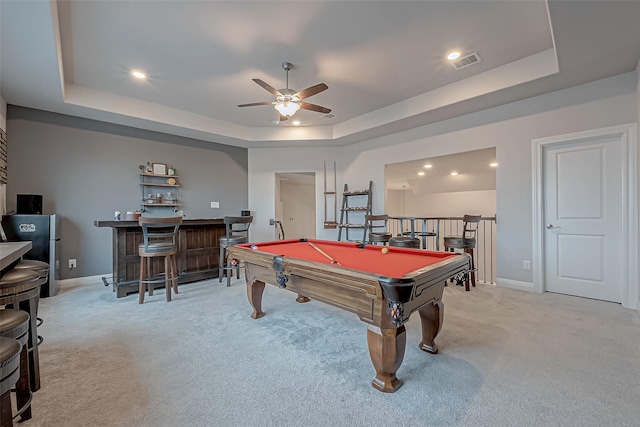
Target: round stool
15, 324
10, 350
21, 289
40, 267
405, 242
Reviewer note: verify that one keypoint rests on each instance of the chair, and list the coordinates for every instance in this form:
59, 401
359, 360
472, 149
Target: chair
375, 229
15, 324
40, 267
236, 232
160, 240
467, 242
10, 350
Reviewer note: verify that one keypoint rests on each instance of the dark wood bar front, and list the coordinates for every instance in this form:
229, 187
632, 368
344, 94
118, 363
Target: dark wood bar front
198, 249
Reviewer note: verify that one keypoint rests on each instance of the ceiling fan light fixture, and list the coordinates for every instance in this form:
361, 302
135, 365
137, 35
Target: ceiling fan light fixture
287, 108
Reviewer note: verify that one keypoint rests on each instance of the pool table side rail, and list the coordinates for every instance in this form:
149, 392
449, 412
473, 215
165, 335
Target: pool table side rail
352, 290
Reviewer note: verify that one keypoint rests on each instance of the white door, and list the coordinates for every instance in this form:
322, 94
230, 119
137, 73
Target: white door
583, 218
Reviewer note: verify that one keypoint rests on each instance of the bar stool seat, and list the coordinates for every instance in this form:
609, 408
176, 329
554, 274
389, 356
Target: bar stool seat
15, 324
21, 289
10, 350
236, 232
405, 242
40, 267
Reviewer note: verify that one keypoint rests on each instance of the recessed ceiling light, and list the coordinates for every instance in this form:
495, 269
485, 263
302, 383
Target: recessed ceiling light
296, 122
454, 173
420, 173
493, 165
138, 74
428, 166
451, 56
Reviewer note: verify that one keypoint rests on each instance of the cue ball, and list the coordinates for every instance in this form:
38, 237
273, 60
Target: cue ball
254, 247
385, 250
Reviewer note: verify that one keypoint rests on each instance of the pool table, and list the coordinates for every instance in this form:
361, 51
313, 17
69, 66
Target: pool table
381, 285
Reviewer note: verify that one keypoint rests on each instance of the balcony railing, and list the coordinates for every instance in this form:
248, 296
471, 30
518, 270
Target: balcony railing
432, 230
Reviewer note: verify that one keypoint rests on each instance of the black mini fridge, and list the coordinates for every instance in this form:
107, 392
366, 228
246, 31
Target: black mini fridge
43, 231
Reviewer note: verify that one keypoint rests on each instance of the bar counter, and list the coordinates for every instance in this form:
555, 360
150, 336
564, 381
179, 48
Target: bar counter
11, 252
198, 250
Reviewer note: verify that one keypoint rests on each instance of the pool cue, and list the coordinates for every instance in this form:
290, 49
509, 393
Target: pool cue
333, 261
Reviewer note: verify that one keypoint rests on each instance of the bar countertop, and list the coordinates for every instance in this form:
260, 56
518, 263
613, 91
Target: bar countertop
122, 223
11, 251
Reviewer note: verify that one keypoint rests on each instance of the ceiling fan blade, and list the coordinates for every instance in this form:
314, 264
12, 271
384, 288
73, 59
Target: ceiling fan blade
314, 107
283, 118
305, 93
268, 87
253, 104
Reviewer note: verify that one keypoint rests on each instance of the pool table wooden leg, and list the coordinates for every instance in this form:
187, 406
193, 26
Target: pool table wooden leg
255, 288
386, 349
431, 316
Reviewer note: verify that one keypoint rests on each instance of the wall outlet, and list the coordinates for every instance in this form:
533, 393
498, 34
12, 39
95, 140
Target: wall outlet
215, 205
526, 264
72, 263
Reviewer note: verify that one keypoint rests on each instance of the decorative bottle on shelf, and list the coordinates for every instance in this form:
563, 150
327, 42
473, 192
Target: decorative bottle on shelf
148, 168
171, 170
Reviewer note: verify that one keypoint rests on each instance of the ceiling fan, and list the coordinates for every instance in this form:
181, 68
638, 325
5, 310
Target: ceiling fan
288, 101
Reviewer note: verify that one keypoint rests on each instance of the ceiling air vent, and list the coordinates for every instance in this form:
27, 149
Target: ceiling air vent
465, 61
328, 116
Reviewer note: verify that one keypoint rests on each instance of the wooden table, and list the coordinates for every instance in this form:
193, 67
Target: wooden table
198, 251
12, 251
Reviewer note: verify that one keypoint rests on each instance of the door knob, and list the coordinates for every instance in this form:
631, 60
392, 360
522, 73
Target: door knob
550, 226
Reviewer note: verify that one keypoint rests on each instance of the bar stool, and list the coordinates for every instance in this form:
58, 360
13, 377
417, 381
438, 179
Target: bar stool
405, 242
159, 240
21, 289
10, 350
375, 229
236, 232
40, 267
467, 242
15, 324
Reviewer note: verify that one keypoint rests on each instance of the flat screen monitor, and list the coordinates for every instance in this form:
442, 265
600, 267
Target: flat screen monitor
29, 204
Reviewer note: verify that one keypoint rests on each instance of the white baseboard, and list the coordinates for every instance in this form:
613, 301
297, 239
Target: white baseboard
515, 284
81, 281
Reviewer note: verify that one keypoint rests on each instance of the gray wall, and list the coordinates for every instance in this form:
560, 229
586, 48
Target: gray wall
87, 169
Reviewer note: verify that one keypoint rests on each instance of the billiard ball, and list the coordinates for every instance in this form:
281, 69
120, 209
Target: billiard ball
385, 250
254, 247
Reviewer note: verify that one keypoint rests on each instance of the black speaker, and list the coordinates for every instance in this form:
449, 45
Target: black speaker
29, 204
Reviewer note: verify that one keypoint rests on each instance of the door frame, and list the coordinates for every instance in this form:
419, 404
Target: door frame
629, 149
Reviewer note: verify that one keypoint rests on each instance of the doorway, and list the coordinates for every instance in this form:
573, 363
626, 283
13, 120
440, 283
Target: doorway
585, 228
296, 204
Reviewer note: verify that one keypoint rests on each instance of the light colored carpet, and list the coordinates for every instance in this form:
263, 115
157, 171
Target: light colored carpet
507, 358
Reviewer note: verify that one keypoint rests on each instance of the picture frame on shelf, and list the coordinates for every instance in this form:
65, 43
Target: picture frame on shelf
159, 168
